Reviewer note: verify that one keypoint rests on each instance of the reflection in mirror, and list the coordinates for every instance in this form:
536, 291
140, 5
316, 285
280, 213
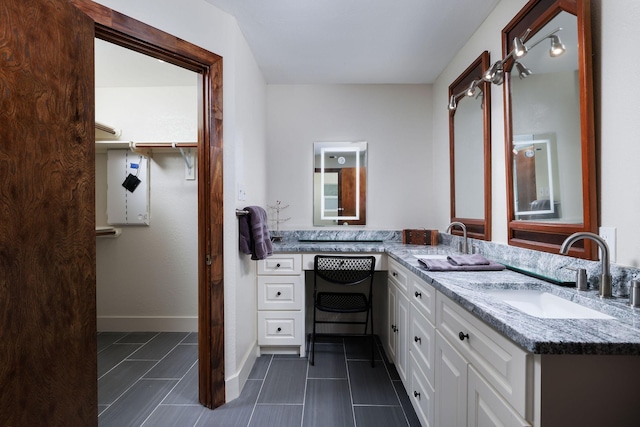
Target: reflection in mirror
340, 171
470, 152
549, 101
535, 171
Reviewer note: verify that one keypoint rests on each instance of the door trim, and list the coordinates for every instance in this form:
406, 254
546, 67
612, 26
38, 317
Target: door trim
122, 30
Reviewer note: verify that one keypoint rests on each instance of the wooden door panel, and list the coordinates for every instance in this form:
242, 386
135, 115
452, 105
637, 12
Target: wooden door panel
48, 371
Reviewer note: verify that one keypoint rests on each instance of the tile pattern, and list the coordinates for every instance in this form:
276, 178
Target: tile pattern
151, 379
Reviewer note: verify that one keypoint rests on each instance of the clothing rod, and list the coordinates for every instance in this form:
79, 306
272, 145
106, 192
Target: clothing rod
135, 145
241, 212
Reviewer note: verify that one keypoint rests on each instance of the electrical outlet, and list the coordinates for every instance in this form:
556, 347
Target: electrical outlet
609, 236
242, 193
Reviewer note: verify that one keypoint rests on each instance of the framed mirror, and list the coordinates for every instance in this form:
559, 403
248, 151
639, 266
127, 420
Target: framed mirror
339, 183
470, 149
549, 126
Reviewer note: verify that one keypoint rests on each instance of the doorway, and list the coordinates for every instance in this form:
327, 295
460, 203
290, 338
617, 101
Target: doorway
119, 29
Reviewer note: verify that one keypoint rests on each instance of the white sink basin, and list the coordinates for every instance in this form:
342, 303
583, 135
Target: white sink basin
546, 305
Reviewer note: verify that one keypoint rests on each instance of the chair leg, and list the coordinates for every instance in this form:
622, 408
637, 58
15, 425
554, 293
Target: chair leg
313, 339
373, 344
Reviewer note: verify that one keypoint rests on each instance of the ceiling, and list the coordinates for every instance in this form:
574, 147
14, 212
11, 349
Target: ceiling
355, 41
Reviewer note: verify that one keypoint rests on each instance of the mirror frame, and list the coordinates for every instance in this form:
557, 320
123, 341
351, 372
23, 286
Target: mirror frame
546, 236
477, 228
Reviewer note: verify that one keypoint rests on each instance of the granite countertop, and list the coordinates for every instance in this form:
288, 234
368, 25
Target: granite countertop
620, 335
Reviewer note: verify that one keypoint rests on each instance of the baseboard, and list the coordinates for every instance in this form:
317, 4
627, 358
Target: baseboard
147, 323
235, 383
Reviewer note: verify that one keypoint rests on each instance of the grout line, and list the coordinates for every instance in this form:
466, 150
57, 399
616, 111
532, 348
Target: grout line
255, 404
346, 363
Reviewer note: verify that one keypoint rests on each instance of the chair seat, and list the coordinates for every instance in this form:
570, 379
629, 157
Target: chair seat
342, 302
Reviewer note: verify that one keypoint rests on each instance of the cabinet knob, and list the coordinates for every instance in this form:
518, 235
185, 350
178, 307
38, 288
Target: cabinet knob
394, 274
278, 293
278, 265
418, 339
462, 336
418, 294
279, 330
394, 328
416, 394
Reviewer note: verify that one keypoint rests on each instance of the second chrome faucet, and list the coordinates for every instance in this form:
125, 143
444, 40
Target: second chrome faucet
605, 276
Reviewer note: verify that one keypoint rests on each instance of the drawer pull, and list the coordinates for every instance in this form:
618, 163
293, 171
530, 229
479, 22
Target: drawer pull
278, 265
416, 394
418, 294
279, 330
394, 328
462, 336
278, 293
394, 274
417, 339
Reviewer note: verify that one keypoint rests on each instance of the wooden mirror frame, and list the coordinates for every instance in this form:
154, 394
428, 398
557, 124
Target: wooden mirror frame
545, 236
477, 228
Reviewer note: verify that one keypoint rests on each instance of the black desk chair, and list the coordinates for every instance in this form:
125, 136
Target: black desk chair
345, 271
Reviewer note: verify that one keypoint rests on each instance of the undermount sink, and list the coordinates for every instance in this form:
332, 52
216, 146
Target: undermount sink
545, 305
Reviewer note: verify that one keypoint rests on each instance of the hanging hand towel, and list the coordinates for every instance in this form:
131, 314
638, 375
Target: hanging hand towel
254, 233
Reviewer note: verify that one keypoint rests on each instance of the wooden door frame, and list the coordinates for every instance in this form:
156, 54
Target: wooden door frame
122, 30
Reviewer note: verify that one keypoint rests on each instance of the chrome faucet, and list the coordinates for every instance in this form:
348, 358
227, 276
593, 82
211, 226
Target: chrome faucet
464, 234
605, 277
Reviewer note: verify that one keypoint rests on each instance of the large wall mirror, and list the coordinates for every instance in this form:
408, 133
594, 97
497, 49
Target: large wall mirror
549, 128
470, 149
339, 183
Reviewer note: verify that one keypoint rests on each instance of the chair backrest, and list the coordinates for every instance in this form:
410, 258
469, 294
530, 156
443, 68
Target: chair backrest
344, 270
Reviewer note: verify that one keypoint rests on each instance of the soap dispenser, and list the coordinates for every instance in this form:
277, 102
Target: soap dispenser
581, 278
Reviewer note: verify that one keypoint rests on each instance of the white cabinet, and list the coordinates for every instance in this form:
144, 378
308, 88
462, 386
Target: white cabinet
500, 361
281, 297
398, 318
486, 408
451, 385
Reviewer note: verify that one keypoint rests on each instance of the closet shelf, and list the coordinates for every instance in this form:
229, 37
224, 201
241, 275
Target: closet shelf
103, 145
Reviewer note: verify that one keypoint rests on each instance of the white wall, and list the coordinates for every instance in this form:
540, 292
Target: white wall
244, 95
395, 120
147, 277
617, 124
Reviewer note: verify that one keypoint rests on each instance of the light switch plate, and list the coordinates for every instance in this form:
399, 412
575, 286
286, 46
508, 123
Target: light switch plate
609, 236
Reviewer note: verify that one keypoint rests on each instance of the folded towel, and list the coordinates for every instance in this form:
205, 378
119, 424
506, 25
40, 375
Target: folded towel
444, 265
254, 233
474, 259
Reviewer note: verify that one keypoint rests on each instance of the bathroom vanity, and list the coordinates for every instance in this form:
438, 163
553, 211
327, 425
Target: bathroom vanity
465, 354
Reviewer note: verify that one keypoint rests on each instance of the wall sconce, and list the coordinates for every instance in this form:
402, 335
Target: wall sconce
495, 74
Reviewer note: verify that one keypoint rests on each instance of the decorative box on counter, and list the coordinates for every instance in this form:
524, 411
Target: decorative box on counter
420, 237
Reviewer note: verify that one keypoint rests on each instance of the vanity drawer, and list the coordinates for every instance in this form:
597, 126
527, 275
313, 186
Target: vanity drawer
423, 296
500, 361
280, 292
422, 341
281, 264
398, 274
280, 328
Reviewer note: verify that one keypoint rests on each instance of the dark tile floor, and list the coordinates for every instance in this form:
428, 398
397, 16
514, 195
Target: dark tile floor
151, 379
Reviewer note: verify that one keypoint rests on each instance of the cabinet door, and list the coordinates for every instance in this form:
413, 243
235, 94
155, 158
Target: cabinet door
485, 407
402, 332
451, 385
422, 340
391, 326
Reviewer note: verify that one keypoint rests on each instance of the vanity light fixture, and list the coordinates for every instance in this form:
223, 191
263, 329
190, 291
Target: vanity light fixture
523, 71
470, 92
495, 74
